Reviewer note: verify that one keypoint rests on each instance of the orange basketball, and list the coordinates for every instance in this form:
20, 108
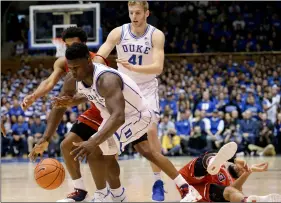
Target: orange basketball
49, 174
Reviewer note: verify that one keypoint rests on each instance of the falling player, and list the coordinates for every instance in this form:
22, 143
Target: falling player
219, 181
124, 110
140, 52
86, 125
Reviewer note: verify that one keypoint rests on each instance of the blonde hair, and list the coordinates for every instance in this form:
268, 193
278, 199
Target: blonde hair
144, 4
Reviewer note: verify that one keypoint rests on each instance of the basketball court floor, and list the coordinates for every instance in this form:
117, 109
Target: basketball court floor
18, 184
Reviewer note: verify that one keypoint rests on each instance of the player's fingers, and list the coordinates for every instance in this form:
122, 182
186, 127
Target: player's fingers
75, 151
77, 144
80, 153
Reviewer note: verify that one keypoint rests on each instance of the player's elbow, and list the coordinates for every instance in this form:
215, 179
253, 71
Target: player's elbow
159, 70
120, 118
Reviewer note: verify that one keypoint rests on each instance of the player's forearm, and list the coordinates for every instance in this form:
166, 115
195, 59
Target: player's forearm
44, 88
110, 127
240, 181
53, 122
78, 99
104, 51
148, 69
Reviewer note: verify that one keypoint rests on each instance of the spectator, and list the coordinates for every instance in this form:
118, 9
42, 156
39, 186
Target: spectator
249, 128
206, 104
37, 130
171, 143
164, 126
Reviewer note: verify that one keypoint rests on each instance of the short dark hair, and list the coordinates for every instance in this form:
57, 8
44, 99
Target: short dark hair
77, 51
72, 32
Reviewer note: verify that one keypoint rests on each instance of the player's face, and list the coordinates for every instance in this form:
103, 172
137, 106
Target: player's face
137, 15
70, 41
78, 68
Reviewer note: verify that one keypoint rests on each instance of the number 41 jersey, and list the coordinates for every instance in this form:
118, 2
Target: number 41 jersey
137, 50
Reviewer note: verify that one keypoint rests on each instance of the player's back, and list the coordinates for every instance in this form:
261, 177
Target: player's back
134, 101
137, 50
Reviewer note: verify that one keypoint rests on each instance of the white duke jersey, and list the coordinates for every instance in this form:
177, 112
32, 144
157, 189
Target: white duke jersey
137, 50
138, 117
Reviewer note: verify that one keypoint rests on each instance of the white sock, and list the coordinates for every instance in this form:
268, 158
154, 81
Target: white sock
118, 192
157, 176
103, 191
79, 184
179, 180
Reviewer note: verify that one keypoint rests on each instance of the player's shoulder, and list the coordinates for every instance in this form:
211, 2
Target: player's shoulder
158, 34
60, 63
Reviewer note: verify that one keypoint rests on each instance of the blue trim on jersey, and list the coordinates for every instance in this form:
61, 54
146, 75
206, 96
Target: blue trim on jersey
151, 36
122, 33
132, 89
102, 72
139, 118
134, 36
132, 105
147, 124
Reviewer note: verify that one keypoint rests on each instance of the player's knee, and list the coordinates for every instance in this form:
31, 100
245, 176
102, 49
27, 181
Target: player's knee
149, 154
66, 145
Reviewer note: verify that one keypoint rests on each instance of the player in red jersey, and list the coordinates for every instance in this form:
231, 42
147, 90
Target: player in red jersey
86, 125
225, 183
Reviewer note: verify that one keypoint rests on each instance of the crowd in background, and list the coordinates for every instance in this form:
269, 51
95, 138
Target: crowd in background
203, 105
189, 27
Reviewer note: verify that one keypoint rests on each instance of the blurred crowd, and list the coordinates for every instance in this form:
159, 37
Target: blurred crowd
189, 27
204, 105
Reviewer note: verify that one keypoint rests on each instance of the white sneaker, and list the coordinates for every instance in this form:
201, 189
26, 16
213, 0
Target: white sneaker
225, 153
121, 198
100, 197
191, 194
267, 198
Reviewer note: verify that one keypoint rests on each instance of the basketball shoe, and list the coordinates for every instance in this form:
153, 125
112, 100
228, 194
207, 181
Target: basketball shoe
158, 191
189, 194
267, 198
77, 196
119, 198
225, 153
100, 197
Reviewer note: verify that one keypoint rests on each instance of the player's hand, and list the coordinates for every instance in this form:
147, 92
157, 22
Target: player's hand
241, 163
125, 64
64, 101
39, 148
82, 150
27, 101
260, 167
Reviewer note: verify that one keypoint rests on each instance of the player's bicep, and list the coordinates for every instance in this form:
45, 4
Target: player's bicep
69, 86
110, 87
111, 41
158, 41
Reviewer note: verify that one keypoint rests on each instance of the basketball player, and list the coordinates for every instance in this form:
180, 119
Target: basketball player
85, 126
124, 110
225, 183
140, 52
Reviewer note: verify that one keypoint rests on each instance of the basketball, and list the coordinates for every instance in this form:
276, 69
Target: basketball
49, 174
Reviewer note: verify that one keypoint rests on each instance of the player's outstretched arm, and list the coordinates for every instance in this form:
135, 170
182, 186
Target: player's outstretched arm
47, 85
55, 117
106, 48
110, 87
158, 41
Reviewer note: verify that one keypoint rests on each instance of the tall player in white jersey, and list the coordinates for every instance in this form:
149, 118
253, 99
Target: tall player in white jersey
140, 50
124, 111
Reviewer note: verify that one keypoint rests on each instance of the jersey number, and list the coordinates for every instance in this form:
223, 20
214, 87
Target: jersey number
133, 59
